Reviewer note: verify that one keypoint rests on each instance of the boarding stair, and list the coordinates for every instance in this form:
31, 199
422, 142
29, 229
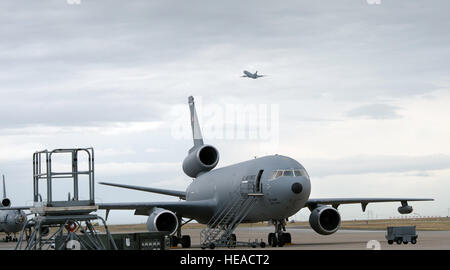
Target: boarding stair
220, 228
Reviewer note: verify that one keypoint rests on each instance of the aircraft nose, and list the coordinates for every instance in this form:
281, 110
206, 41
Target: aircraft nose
296, 188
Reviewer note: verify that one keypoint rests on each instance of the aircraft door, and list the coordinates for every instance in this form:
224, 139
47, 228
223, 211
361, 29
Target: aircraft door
258, 186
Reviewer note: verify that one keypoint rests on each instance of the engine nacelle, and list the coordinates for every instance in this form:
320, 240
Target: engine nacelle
162, 220
6, 202
325, 220
202, 159
406, 209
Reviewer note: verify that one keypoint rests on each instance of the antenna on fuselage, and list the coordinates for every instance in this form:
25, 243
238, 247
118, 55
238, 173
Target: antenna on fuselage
196, 133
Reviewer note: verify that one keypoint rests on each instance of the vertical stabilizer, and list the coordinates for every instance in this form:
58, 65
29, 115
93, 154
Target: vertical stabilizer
4, 187
196, 133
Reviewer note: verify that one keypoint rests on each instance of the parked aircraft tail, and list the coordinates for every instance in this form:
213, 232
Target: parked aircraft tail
4, 187
201, 158
5, 201
196, 133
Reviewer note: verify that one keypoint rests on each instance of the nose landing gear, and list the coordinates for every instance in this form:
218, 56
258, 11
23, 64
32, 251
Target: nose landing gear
280, 237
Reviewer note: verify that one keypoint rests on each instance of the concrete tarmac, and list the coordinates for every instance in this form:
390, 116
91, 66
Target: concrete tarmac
307, 239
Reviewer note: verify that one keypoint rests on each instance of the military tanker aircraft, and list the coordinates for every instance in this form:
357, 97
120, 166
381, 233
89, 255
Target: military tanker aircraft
252, 75
11, 221
282, 184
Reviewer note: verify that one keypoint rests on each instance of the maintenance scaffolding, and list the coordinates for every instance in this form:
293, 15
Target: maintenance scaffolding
71, 219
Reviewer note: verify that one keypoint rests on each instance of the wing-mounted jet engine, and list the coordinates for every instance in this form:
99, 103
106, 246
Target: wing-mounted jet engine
201, 158
325, 220
162, 220
405, 208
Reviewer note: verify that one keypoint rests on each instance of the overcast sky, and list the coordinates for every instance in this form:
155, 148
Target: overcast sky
360, 92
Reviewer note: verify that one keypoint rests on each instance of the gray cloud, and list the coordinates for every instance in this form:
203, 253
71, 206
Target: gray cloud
375, 111
420, 165
106, 62
110, 61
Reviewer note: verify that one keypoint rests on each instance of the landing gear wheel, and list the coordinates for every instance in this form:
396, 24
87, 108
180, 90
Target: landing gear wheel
212, 246
272, 240
399, 241
262, 245
405, 242
287, 238
280, 240
390, 242
413, 241
185, 241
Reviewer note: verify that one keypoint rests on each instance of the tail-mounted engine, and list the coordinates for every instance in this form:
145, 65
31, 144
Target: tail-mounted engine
325, 220
201, 159
6, 202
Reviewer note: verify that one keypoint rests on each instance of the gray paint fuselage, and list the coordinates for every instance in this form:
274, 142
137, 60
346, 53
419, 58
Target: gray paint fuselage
278, 200
12, 221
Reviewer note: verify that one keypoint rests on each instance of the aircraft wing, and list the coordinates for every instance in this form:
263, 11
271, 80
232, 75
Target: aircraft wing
335, 202
176, 193
16, 208
183, 208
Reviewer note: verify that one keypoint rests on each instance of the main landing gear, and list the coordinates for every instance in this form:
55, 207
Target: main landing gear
184, 240
280, 237
9, 238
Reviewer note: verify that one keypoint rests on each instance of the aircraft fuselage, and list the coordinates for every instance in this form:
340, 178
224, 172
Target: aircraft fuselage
12, 221
250, 75
278, 200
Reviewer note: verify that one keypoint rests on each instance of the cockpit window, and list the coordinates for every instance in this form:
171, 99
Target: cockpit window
289, 172
278, 174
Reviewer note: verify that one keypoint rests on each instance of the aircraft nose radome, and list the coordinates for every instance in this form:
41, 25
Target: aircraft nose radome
296, 188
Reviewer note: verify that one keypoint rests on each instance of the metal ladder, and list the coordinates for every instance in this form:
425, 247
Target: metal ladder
221, 226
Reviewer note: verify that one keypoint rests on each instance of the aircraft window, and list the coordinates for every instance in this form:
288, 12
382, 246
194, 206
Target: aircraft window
301, 172
298, 172
279, 173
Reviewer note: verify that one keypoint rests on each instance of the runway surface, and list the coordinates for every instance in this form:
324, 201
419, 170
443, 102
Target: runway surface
307, 239
341, 240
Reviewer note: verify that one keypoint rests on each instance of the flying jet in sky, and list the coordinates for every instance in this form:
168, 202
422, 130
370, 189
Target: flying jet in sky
252, 75
11, 221
279, 187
